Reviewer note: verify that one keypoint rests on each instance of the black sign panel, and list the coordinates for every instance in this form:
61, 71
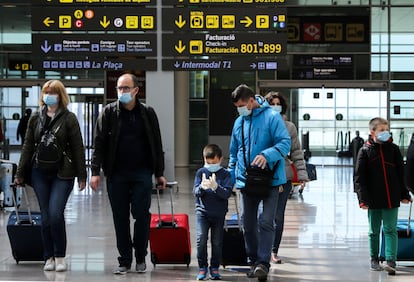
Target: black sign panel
232, 3
196, 19
231, 44
91, 64
323, 67
20, 65
67, 45
245, 64
96, 2
93, 19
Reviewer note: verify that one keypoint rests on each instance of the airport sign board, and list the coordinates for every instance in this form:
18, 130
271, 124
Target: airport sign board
103, 45
243, 19
245, 63
95, 2
117, 64
230, 3
93, 19
224, 44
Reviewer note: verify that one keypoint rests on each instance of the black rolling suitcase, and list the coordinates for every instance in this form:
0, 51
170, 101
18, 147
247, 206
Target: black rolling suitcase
234, 250
24, 231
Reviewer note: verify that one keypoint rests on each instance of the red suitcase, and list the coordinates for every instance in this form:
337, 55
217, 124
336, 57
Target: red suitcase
170, 239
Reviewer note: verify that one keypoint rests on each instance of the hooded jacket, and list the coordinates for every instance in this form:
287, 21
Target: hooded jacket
107, 134
264, 133
379, 175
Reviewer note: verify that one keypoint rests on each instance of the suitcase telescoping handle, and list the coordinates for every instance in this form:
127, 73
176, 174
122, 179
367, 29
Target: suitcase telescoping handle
171, 223
29, 212
236, 201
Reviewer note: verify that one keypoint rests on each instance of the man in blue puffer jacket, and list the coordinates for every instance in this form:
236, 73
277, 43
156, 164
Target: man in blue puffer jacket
266, 142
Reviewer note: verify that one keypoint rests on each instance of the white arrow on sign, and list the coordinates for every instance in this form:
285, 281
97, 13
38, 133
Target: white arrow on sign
46, 47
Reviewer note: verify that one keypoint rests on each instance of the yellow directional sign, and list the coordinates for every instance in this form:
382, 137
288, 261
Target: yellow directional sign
247, 21
48, 21
104, 22
192, 18
196, 47
180, 48
180, 22
93, 19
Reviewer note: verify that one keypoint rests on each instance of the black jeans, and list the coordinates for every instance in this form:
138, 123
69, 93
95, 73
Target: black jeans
131, 193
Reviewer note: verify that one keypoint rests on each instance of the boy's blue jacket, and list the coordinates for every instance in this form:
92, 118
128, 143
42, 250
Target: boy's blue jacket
213, 203
267, 135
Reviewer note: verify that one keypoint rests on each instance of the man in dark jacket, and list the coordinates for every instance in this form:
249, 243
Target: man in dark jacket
379, 183
128, 148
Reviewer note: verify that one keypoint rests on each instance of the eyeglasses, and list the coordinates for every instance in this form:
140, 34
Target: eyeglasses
123, 88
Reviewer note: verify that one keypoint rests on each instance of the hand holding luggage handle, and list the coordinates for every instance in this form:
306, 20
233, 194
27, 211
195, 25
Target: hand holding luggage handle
171, 224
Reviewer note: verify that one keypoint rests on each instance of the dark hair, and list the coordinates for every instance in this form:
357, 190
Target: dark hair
211, 151
242, 92
272, 95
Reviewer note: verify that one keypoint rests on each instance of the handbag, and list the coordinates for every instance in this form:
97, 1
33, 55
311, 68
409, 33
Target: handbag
311, 170
258, 182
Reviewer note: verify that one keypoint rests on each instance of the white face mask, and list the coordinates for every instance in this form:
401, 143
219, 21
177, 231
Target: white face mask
277, 108
212, 167
244, 111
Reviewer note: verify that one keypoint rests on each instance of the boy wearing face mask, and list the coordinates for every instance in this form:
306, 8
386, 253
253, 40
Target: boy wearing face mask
379, 184
212, 188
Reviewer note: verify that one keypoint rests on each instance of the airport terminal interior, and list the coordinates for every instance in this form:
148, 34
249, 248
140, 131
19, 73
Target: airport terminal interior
366, 71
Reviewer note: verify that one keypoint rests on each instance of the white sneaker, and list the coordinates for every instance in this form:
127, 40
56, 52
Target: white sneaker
61, 265
49, 264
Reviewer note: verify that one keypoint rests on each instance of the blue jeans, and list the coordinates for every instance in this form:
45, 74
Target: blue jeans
52, 194
130, 193
280, 215
258, 226
216, 225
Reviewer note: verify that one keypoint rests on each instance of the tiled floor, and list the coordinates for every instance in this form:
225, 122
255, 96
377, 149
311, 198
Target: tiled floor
325, 237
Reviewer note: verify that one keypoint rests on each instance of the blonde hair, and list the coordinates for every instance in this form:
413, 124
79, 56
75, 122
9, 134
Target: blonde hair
375, 122
55, 87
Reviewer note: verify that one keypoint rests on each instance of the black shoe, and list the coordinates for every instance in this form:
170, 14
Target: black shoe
375, 266
261, 272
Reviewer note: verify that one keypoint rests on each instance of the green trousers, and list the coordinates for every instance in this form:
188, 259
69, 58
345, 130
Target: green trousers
388, 218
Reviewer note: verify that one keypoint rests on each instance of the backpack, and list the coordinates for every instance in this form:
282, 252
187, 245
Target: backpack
49, 154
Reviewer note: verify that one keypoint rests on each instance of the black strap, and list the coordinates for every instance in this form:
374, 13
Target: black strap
243, 145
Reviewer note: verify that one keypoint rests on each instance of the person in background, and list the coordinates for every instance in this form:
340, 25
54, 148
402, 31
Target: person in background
379, 184
53, 186
22, 126
266, 144
295, 157
212, 188
128, 148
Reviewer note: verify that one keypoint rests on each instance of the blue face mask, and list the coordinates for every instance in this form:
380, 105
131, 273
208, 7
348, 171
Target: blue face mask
50, 100
124, 98
277, 108
383, 136
212, 167
243, 111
